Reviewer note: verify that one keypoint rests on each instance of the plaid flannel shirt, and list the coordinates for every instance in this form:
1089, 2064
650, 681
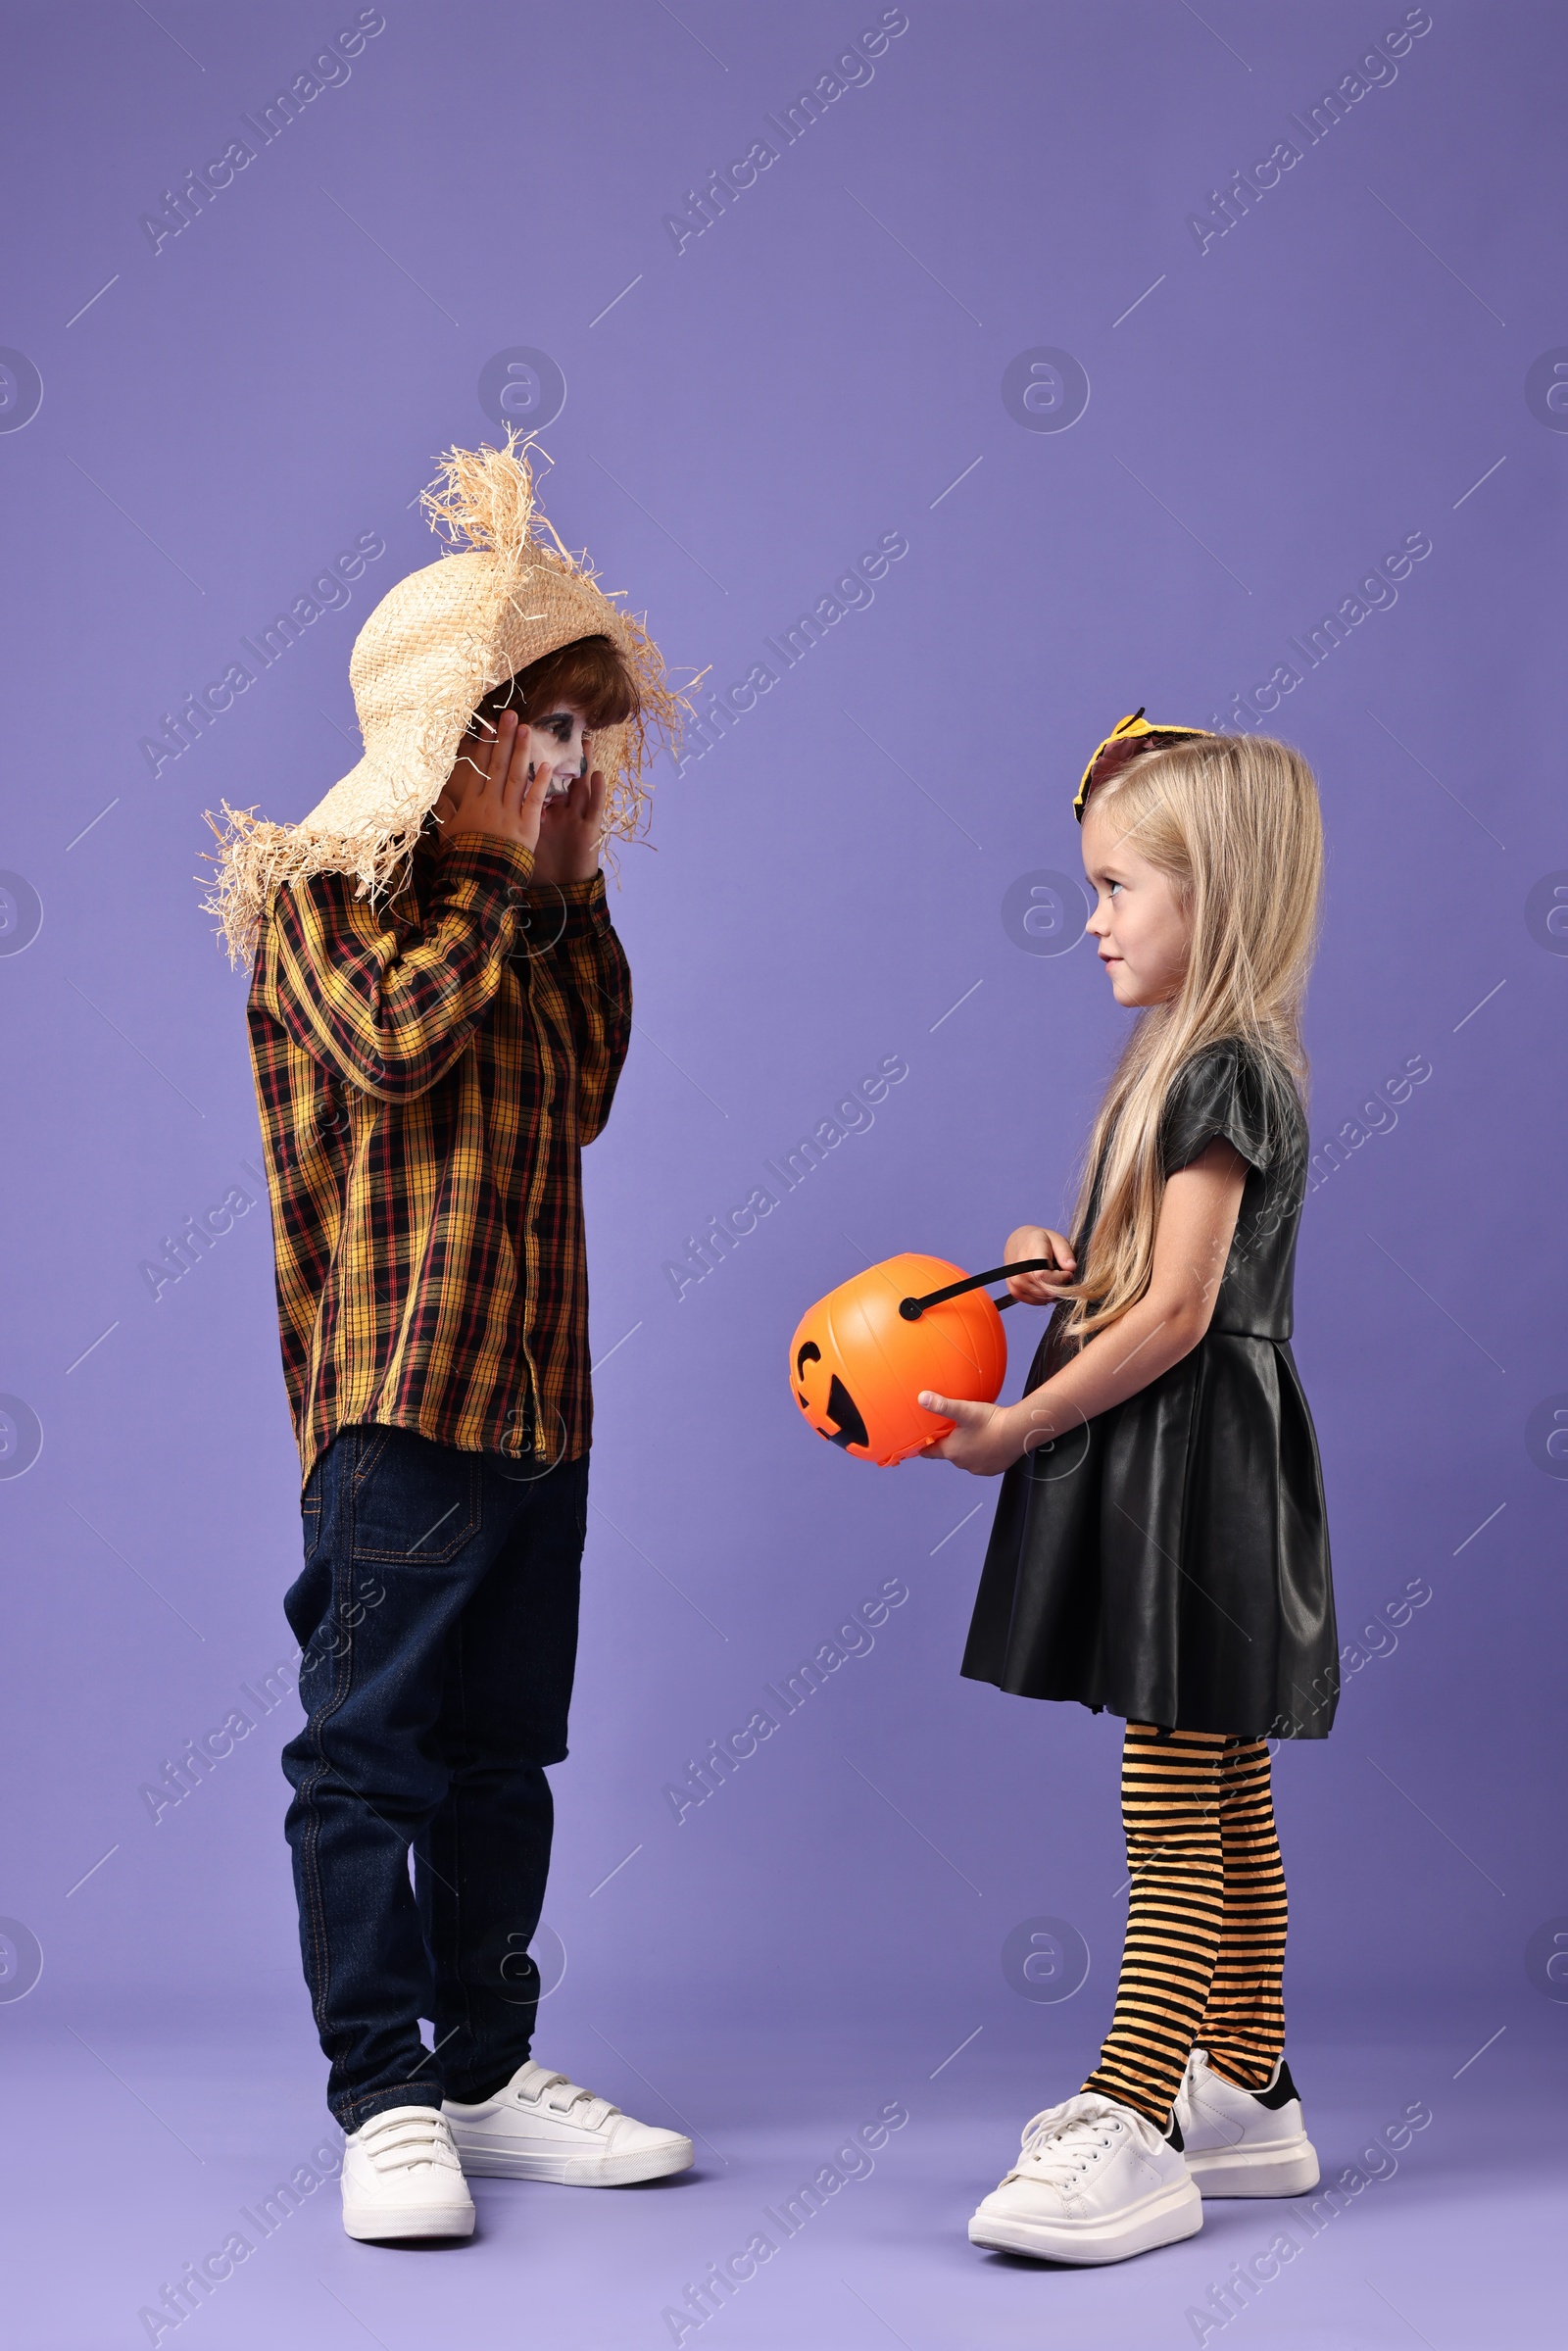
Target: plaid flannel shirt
428, 1069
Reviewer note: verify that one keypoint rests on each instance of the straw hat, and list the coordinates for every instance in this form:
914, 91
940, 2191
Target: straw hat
503, 594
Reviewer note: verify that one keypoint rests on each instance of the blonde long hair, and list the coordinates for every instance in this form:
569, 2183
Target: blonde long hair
1234, 821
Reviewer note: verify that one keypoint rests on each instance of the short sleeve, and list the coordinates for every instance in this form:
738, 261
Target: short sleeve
1221, 1091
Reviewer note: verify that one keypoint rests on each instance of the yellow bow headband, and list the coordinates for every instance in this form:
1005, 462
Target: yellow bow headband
1126, 739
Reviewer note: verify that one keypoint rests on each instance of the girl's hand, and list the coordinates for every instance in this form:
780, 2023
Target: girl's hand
570, 832
985, 1440
1038, 1241
490, 790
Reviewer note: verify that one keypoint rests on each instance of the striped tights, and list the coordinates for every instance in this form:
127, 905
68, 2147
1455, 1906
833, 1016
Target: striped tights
1205, 1927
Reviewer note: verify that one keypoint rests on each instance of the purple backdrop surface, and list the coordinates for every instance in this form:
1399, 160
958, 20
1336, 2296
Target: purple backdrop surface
1241, 404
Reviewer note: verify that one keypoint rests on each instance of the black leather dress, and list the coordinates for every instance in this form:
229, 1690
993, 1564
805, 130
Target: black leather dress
1168, 1561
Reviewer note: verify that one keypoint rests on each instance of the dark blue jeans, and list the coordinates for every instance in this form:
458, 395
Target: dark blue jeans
437, 1613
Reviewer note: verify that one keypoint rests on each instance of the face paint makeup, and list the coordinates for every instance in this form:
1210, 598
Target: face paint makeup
556, 740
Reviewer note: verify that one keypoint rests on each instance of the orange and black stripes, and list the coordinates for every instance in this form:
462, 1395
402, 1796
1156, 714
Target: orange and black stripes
1205, 1954
1242, 2025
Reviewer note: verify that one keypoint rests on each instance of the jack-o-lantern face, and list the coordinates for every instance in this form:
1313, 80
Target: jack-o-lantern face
841, 1409
858, 1365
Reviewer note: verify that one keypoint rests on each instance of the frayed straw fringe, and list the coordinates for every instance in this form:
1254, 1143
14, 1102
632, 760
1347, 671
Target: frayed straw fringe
256, 859
482, 502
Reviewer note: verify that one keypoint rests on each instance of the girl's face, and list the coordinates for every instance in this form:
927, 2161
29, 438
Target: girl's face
1138, 919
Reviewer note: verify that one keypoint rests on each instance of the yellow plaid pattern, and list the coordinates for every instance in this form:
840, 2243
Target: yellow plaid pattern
429, 1067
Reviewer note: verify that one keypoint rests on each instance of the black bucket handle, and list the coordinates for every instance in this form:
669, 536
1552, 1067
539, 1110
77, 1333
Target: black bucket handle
912, 1308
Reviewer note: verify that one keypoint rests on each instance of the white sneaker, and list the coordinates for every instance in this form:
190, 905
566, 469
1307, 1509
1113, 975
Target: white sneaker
1242, 2142
401, 2178
1095, 2182
543, 2127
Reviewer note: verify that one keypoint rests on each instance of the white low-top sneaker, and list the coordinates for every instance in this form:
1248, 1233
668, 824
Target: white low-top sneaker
401, 2178
1243, 2143
1094, 2182
543, 2127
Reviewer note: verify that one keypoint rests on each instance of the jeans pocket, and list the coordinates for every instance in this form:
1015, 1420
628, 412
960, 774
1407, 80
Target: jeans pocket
416, 1504
312, 1513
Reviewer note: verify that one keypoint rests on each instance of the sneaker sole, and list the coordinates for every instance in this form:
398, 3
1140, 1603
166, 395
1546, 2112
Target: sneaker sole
500, 2162
1290, 2168
369, 2225
1163, 2220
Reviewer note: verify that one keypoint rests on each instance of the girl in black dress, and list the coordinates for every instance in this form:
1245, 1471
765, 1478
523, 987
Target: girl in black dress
1160, 1550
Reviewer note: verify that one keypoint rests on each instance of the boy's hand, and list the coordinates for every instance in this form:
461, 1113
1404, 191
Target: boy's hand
571, 831
1038, 1241
489, 790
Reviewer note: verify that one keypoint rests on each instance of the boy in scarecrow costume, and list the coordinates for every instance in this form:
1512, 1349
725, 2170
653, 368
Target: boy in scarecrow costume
438, 1016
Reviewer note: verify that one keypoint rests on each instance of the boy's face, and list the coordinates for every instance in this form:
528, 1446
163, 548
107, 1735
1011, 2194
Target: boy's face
558, 739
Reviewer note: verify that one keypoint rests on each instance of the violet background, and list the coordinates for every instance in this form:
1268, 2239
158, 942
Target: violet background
822, 366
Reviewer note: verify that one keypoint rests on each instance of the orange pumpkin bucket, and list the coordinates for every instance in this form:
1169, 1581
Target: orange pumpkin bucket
861, 1356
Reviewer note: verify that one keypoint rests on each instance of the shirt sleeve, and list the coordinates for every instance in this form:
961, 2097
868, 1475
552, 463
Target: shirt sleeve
387, 1010
1219, 1093
596, 983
